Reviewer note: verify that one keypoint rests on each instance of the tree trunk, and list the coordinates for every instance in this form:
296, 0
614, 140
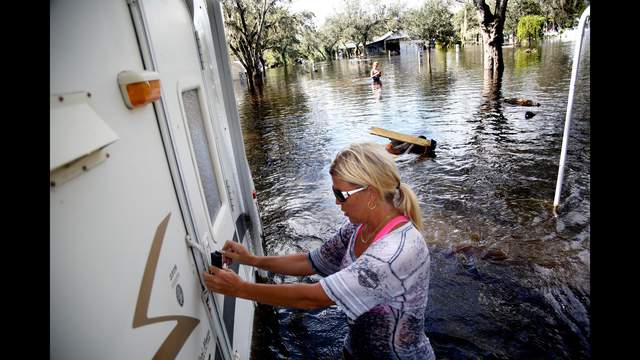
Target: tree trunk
464, 26
492, 46
491, 27
258, 70
250, 69
257, 79
252, 86
491, 90
263, 64
364, 46
250, 61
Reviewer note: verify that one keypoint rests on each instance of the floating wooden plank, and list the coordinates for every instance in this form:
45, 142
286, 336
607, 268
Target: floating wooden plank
397, 136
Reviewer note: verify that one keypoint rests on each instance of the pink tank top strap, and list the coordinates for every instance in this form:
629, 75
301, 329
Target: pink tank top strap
390, 225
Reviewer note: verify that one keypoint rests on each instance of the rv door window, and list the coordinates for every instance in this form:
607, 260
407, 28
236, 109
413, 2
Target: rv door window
201, 150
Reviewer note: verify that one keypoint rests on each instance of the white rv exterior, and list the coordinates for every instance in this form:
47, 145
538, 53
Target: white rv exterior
140, 197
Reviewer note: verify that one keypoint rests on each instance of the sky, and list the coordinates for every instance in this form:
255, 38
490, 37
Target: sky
325, 8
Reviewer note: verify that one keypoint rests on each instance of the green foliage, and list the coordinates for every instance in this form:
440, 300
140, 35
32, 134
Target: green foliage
394, 20
335, 31
360, 22
563, 13
266, 33
310, 44
465, 23
530, 27
517, 9
365, 21
272, 58
286, 31
432, 21
247, 23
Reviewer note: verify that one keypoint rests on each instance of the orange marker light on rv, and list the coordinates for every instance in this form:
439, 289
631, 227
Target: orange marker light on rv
139, 88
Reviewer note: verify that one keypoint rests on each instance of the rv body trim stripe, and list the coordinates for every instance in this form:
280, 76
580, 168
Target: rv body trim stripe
184, 324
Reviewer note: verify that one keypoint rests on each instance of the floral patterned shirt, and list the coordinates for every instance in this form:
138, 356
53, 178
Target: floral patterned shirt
383, 292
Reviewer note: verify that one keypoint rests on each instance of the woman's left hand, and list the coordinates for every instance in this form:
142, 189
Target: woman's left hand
223, 281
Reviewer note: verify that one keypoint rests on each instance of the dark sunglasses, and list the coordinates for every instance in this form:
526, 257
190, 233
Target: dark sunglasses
342, 196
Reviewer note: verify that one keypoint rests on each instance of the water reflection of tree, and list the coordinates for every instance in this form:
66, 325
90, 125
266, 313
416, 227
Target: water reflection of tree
555, 64
490, 114
437, 81
470, 57
282, 138
504, 166
491, 106
524, 58
490, 139
271, 114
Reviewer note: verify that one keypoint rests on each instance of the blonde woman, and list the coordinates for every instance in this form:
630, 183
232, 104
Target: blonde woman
376, 268
376, 73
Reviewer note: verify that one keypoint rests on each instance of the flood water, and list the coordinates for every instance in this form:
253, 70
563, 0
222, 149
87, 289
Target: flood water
509, 280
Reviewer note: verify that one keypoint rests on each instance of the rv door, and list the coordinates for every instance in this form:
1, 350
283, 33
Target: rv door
173, 53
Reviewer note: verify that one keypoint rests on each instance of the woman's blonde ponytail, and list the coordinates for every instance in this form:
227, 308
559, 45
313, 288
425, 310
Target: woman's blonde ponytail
408, 203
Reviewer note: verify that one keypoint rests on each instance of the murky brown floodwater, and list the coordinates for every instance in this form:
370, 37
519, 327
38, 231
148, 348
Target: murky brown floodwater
508, 279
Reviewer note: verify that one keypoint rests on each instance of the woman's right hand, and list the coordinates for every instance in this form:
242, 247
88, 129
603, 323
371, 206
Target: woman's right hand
233, 251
